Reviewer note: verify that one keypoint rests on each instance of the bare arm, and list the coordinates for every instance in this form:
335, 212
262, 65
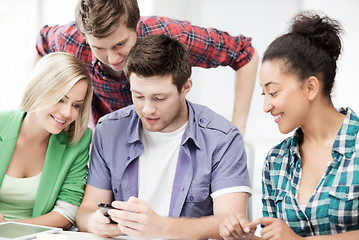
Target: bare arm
353, 235
90, 219
276, 229
245, 79
52, 219
135, 218
347, 235
208, 227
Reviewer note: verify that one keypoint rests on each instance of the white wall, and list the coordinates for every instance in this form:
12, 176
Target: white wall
264, 21
261, 19
14, 46
347, 82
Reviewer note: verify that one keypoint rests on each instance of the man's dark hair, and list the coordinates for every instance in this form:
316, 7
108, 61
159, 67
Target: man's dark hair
159, 55
100, 18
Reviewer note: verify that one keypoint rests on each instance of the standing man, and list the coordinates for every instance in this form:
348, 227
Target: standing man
171, 168
106, 30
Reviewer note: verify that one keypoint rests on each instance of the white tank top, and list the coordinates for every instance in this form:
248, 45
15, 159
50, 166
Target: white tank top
17, 196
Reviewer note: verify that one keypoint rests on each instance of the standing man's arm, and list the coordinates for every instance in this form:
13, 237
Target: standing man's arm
90, 219
245, 78
136, 218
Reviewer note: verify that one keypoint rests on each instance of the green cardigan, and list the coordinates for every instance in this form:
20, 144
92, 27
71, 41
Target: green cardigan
65, 168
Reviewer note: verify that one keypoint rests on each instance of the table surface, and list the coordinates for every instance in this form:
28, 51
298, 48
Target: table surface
88, 236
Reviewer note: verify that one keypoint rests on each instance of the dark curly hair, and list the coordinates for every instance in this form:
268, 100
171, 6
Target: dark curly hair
310, 48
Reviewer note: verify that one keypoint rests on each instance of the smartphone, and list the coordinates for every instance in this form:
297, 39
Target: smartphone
104, 207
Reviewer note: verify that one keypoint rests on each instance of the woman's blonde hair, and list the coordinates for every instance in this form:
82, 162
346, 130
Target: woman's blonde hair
51, 79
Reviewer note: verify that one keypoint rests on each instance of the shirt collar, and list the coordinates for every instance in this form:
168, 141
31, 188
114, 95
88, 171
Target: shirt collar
345, 140
192, 128
12, 126
135, 135
190, 132
293, 143
94, 59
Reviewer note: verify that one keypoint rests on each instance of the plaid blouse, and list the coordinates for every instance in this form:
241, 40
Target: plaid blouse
334, 205
207, 47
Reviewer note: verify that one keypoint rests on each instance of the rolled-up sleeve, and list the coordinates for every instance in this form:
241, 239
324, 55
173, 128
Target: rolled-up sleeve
230, 164
99, 174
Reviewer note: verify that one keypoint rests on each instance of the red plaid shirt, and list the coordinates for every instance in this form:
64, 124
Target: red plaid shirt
207, 47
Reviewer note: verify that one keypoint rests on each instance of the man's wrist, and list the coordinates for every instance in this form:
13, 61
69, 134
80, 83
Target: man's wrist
167, 226
86, 220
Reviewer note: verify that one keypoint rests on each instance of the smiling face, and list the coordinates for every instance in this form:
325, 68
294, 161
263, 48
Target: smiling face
113, 50
285, 96
56, 118
158, 103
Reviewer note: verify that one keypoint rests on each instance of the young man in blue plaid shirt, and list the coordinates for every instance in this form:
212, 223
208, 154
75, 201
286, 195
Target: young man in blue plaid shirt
310, 180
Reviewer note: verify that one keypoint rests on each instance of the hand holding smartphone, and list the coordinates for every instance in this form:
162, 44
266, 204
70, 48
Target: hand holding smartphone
104, 207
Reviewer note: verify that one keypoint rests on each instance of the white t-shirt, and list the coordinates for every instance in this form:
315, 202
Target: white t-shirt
157, 168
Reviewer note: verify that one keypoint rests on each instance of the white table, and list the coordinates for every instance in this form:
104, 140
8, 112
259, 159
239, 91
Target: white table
70, 235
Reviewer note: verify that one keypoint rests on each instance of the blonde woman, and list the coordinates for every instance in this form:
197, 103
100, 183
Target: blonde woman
44, 147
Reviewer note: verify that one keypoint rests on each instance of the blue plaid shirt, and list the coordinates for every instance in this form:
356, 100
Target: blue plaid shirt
334, 205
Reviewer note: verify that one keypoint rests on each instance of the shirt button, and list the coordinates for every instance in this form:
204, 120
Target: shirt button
115, 190
191, 198
128, 158
201, 120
